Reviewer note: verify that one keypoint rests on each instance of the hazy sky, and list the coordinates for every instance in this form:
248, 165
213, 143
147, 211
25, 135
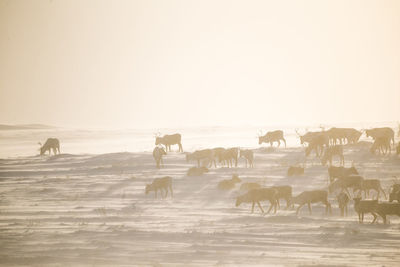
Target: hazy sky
179, 63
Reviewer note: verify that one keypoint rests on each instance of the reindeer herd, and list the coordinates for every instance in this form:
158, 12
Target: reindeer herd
325, 144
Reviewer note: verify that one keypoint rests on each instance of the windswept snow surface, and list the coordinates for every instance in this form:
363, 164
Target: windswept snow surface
83, 208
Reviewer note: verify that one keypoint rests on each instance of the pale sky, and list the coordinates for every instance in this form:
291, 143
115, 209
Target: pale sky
187, 63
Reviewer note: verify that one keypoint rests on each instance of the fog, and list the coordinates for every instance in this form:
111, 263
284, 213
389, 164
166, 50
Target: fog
135, 64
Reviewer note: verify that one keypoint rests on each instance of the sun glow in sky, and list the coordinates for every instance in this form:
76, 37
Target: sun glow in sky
187, 63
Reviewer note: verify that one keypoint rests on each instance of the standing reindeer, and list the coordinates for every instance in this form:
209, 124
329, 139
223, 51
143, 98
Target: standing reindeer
382, 144
271, 137
158, 153
343, 200
248, 155
168, 140
331, 151
384, 133
51, 144
163, 184
317, 144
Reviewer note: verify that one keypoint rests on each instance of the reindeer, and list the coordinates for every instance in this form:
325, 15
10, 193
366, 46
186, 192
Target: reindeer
295, 171
372, 184
343, 200
308, 136
394, 193
50, 144
168, 140
336, 135
352, 135
284, 192
385, 133
317, 144
248, 155
218, 153
340, 172
204, 154
382, 144
229, 184
271, 137
256, 195
197, 171
365, 206
309, 197
330, 152
384, 209
228, 156
158, 153
161, 184
353, 181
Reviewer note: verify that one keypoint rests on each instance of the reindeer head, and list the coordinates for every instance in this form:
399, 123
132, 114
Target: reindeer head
148, 188
357, 136
162, 151
332, 186
260, 137
235, 178
41, 149
300, 136
158, 138
357, 200
239, 200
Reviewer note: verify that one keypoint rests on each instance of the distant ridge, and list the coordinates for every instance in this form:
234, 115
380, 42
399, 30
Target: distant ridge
25, 127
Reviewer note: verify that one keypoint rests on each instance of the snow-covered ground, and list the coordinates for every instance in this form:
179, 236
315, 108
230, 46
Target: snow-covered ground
88, 208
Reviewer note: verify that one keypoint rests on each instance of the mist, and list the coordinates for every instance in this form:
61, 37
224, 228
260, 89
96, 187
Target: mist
134, 64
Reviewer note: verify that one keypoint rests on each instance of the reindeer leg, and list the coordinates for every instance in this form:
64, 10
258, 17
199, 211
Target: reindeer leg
347, 191
271, 206
375, 217
328, 208
166, 192
298, 209
259, 205
252, 207
384, 194
309, 207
